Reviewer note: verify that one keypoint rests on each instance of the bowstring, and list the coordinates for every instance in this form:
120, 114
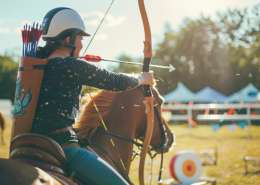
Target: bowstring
105, 128
89, 93
101, 22
151, 171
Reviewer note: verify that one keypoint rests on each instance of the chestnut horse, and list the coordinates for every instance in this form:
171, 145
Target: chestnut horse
124, 117
2, 127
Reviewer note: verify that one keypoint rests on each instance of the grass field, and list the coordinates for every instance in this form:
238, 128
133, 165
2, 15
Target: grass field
232, 147
4, 149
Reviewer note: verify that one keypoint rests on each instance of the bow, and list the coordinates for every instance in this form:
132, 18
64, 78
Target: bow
146, 90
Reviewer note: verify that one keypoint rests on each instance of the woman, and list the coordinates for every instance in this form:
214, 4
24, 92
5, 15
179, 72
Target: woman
63, 30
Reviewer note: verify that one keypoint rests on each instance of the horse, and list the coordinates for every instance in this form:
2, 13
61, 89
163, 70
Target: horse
123, 120
2, 127
124, 116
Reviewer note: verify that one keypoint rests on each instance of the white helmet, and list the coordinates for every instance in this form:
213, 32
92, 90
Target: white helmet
61, 22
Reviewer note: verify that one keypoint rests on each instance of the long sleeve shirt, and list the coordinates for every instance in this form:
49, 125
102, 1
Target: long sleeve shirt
58, 101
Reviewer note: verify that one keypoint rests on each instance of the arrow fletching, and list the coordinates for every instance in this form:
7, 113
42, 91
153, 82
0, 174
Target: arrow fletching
91, 58
30, 37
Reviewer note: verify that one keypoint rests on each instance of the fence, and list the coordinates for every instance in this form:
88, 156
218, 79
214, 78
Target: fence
213, 112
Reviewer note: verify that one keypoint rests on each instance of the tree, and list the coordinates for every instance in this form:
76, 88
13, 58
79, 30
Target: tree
240, 29
8, 72
198, 55
223, 53
127, 68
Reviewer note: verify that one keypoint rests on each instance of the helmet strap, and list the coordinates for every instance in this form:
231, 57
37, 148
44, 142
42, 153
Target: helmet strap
71, 44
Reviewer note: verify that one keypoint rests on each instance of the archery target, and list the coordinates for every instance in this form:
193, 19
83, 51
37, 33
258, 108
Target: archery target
186, 167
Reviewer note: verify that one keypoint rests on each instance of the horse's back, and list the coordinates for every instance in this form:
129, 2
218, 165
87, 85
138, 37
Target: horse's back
15, 172
40, 155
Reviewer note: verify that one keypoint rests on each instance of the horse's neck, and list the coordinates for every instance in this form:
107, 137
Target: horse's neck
114, 153
122, 120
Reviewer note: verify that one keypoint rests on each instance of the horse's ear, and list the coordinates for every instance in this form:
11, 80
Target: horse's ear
158, 95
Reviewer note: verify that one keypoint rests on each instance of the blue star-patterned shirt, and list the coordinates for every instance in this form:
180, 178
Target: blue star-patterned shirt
58, 101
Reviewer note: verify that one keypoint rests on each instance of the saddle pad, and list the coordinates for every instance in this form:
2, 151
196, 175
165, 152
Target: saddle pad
34, 154
41, 142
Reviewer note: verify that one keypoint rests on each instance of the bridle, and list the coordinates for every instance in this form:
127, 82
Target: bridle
137, 141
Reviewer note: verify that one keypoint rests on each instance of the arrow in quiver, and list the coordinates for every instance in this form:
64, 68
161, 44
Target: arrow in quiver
30, 37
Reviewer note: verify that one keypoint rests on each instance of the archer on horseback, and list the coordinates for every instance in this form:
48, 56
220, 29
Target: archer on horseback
58, 102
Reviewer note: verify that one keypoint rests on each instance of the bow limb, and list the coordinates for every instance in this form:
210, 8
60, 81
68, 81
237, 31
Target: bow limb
146, 90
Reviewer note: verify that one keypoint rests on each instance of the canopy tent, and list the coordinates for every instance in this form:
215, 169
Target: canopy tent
180, 94
247, 94
208, 94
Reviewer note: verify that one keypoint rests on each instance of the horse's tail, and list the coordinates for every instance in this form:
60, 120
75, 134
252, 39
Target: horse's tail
2, 122
3, 126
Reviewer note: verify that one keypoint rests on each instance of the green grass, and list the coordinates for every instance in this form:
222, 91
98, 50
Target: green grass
4, 149
232, 147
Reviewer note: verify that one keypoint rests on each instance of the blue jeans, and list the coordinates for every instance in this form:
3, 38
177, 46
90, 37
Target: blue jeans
91, 169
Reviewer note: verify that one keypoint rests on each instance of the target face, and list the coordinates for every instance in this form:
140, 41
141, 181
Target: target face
186, 167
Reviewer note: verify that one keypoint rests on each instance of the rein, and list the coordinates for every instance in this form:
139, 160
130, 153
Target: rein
135, 141
140, 144
129, 140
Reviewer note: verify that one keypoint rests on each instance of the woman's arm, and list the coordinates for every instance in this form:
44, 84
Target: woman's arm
103, 79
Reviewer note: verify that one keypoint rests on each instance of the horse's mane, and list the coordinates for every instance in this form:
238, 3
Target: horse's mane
89, 117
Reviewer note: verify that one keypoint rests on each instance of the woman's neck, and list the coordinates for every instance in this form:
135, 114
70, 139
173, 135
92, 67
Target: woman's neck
62, 53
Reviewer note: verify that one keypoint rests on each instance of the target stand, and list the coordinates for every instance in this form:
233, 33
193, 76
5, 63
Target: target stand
186, 169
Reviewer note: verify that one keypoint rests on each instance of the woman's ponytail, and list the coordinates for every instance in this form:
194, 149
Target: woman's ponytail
46, 51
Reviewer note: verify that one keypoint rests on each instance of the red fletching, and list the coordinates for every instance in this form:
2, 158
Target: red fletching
30, 37
27, 34
38, 32
31, 34
92, 58
23, 36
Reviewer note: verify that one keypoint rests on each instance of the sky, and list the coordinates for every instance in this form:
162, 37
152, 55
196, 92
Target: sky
122, 31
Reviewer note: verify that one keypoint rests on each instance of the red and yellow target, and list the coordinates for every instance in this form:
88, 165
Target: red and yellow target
185, 167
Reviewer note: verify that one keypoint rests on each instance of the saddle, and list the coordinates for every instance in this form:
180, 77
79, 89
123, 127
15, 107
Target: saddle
40, 151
